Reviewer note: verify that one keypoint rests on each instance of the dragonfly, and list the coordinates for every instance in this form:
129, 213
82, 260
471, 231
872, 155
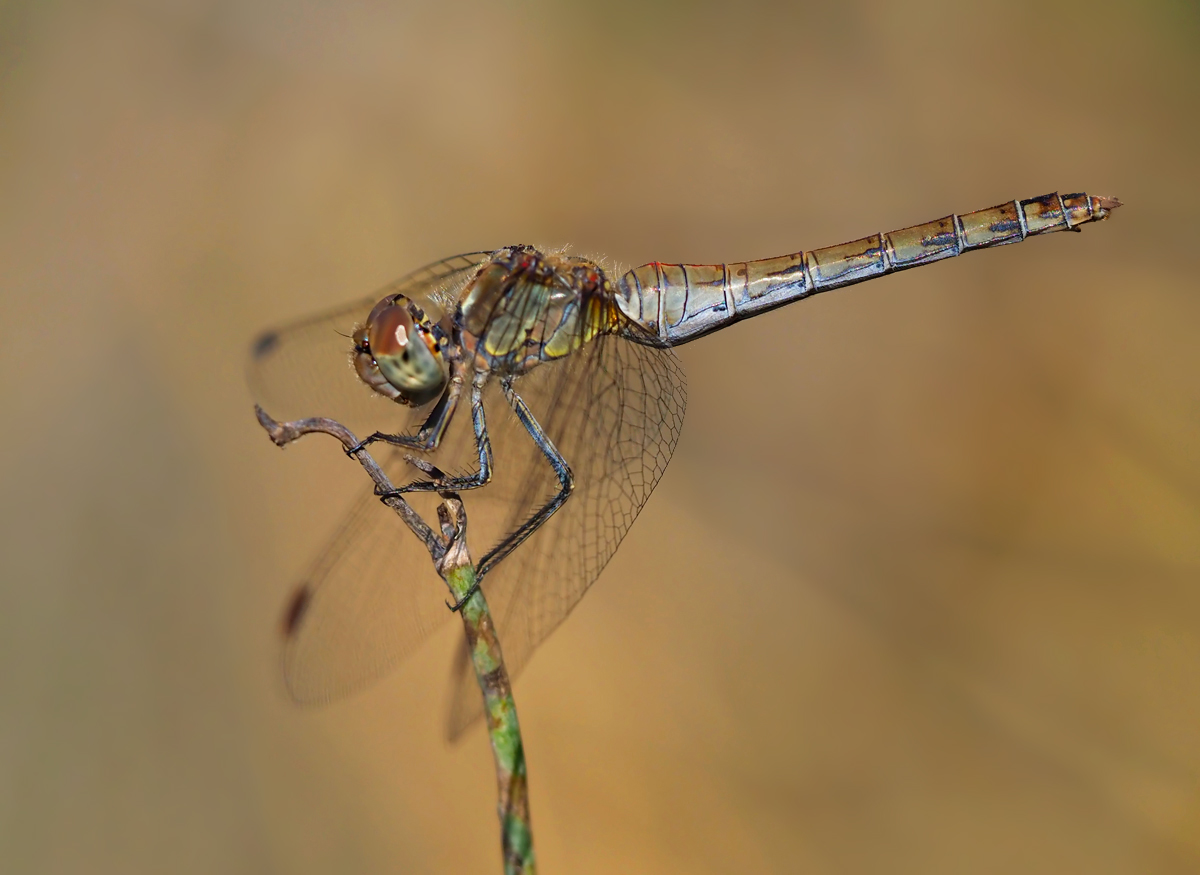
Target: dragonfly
544, 388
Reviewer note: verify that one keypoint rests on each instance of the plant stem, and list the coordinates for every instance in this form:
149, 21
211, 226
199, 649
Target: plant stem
516, 833
453, 563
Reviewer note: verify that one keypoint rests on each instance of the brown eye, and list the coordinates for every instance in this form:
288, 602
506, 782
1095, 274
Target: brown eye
389, 331
406, 350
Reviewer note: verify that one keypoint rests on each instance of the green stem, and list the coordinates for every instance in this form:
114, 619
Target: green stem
453, 564
501, 711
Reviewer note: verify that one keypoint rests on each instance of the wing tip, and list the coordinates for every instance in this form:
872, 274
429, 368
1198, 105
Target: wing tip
264, 344
297, 607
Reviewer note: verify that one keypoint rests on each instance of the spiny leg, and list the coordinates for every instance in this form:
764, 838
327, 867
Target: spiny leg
483, 444
566, 481
431, 433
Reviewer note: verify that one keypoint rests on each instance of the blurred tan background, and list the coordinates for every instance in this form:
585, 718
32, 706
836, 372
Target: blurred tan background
920, 592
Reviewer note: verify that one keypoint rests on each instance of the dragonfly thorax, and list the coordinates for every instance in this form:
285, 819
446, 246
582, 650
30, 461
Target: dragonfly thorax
525, 307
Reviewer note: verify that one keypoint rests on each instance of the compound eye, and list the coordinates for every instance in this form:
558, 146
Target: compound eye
406, 350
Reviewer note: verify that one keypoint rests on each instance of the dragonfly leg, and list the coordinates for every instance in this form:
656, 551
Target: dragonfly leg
458, 605
430, 434
439, 482
566, 483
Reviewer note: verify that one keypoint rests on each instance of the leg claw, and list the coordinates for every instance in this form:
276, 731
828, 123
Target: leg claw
461, 603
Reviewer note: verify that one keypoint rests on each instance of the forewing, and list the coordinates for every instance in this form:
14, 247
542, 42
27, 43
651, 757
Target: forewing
614, 410
305, 369
371, 596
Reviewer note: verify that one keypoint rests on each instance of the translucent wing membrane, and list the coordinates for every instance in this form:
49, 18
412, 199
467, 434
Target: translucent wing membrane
371, 595
613, 409
305, 369
367, 601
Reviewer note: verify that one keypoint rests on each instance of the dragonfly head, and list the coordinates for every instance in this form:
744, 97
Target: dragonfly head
399, 352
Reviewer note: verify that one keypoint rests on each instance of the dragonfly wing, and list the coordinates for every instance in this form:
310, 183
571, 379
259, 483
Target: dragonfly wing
614, 410
371, 596
305, 369
368, 600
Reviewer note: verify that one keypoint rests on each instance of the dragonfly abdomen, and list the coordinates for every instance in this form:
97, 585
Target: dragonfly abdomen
680, 302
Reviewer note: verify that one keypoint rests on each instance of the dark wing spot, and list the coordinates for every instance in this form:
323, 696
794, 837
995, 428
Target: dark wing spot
296, 609
265, 344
